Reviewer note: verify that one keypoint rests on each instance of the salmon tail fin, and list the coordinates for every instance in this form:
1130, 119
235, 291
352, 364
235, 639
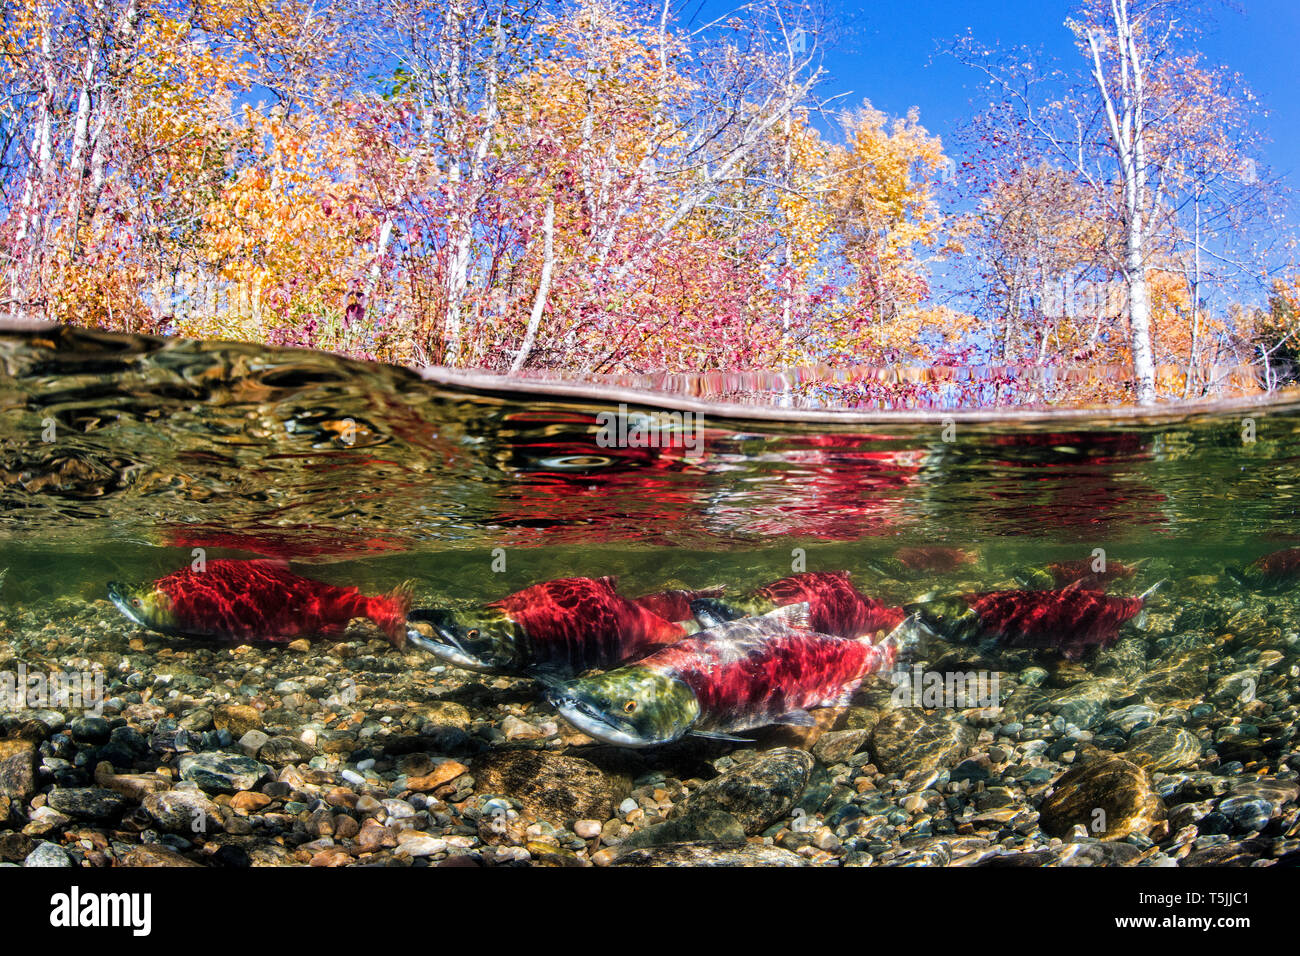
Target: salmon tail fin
903, 638
389, 611
1237, 575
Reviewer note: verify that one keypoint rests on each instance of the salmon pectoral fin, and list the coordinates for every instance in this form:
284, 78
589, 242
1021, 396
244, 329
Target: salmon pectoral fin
714, 735
797, 718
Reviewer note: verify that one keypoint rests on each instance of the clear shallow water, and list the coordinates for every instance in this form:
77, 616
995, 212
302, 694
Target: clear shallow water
119, 455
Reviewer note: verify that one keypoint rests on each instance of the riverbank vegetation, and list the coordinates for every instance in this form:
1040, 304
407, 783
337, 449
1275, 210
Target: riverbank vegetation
604, 186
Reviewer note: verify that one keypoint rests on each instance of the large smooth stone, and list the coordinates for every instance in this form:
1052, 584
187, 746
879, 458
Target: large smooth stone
1110, 796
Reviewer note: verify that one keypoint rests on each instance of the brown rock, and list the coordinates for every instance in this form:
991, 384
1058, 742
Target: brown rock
341, 797
706, 854
1110, 796
152, 855
447, 713
134, 786
374, 836
249, 801
838, 746
18, 762
443, 773
1163, 748
331, 856
14, 847
756, 793
555, 787
911, 739
239, 719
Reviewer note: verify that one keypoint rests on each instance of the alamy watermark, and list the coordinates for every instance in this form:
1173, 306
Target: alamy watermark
52, 690
625, 429
944, 689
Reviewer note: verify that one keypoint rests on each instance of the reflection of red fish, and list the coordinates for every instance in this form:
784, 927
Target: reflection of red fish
254, 600
1073, 479
1070, 620
934, 558
565, 625
835, 606
288, 543
1274, 570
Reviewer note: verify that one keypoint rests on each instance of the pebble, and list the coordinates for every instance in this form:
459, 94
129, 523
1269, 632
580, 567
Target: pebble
219, 772
1156, 732
48, 854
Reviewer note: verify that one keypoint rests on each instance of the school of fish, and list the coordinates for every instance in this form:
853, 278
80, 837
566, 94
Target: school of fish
649, 670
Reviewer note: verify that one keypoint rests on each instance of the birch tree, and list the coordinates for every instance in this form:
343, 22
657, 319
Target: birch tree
1129, 125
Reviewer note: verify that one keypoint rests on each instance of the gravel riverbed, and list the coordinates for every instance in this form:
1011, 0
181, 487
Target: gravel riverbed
1175, 747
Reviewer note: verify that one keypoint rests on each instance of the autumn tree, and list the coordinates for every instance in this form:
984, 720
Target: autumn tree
1131, 126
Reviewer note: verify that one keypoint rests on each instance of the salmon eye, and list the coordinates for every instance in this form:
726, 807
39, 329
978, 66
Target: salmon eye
135, 602
472, 633
629, 707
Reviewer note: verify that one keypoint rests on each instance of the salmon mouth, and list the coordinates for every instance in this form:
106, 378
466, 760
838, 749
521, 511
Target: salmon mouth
595, 722
444, 645
116, 594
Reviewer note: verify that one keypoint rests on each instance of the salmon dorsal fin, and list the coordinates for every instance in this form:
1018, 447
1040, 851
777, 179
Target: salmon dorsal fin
791, 615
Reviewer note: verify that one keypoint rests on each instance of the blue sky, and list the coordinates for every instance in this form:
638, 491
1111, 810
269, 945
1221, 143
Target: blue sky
887, 52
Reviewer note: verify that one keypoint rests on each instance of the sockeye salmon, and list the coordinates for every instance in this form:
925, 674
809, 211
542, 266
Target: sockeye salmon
933, 558
1085, 571
675, 604
258, 600
1271, 572
736, 676
1069, 620
564, 626
835, 606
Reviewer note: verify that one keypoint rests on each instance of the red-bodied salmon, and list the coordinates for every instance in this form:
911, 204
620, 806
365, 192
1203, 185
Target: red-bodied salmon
258, 600
675, 604
736, 676
565, 626
835, 606
1087, 572
1069, 620
1271, 572
934, 558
